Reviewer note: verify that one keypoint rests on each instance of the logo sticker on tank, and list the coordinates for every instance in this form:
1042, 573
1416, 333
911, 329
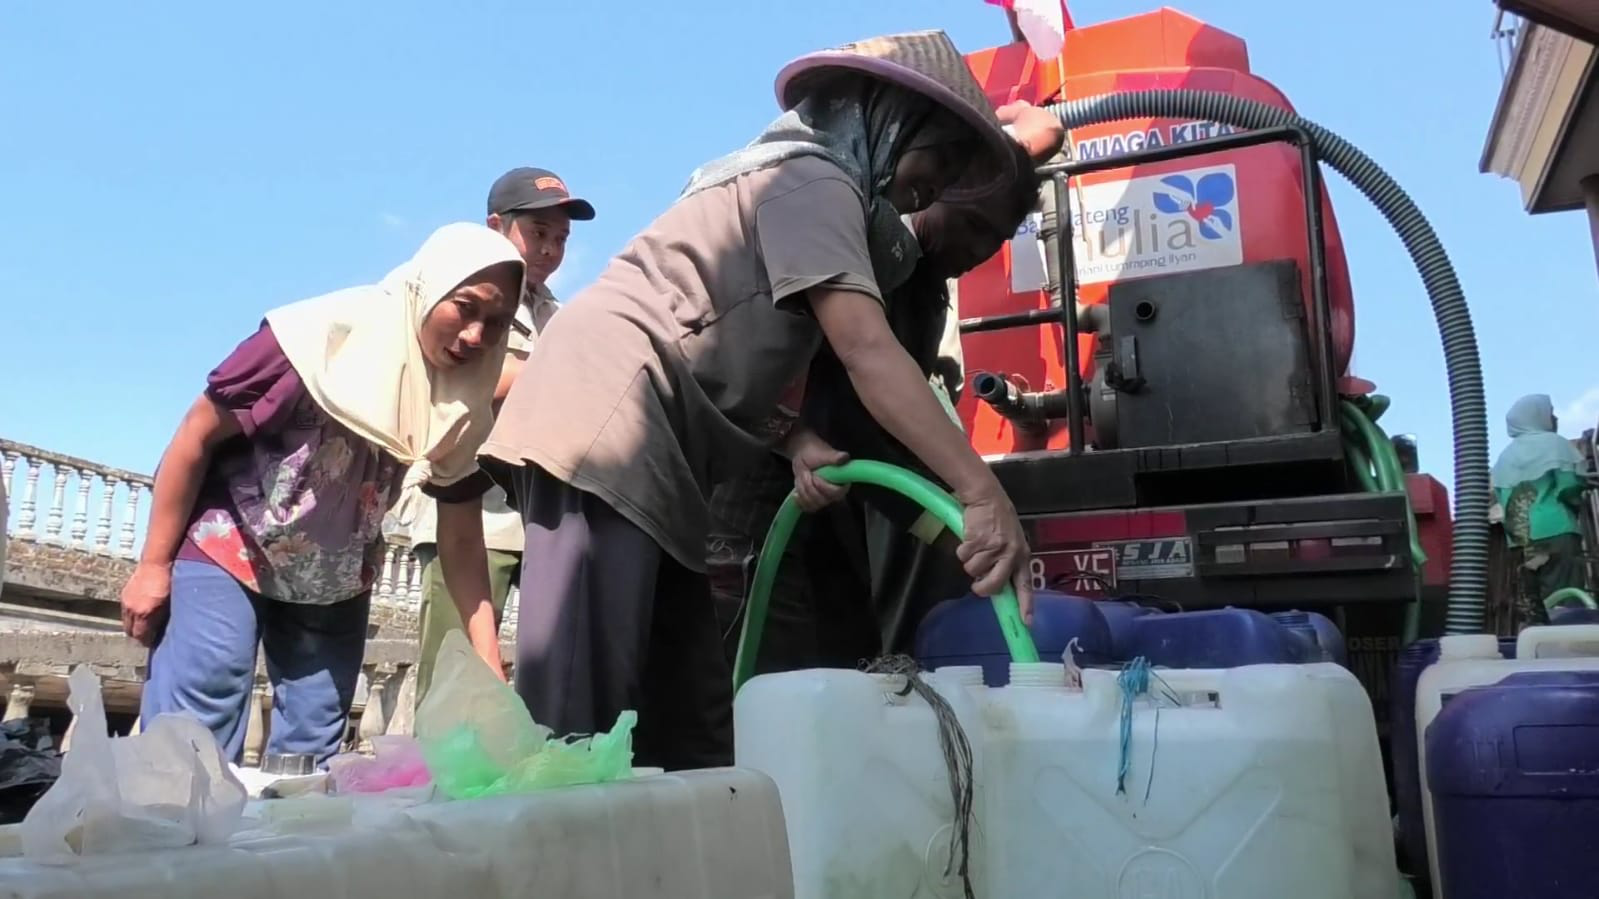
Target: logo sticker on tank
1157, 225
1028, 271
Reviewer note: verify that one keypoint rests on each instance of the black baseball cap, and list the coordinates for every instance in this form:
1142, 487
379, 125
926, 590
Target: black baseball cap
529, 188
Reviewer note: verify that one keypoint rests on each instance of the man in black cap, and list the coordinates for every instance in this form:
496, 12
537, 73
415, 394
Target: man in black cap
533, 208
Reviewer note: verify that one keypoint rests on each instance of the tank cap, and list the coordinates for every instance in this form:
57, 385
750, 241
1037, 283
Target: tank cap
960, 675
1038, 674
1468, 646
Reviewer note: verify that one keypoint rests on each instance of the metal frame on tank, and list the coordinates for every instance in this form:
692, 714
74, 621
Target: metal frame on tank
1035, 479
1065, 313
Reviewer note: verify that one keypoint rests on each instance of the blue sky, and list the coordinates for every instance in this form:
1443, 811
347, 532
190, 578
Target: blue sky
170, 171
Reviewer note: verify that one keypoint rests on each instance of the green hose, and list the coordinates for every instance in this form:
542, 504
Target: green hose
1377, 451
1363, 467
878, 474
1553, 600
1376, 464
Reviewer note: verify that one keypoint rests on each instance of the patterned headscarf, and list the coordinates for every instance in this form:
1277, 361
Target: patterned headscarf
864, 126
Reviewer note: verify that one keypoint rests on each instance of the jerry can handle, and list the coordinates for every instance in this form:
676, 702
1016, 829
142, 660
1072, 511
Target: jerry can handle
879, 474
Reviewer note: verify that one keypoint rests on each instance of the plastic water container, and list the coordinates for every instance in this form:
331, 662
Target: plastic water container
1119, 616
1574, 615
862, 778
1320, 639
1471, 661
1261, 781
1216, 638
965, 632
1413, 660
1520, 821
712, 834
1267, 781
1575, 640
1324, 642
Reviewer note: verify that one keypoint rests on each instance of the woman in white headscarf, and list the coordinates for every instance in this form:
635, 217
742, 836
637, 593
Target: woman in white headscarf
1538, 483
266, 516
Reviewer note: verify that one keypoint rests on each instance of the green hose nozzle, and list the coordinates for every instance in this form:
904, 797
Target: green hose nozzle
879, 474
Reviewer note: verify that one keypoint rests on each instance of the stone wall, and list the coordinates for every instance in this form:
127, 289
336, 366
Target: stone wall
65, 572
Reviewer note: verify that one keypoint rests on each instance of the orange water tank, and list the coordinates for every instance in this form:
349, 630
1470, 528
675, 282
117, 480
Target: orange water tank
1186, 214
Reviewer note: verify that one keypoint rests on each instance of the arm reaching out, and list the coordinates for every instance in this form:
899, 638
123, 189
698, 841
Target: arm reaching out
1038, 131
466, 576
177, 484
897, 395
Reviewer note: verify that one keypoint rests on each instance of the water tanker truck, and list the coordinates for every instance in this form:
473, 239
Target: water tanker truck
1158, 365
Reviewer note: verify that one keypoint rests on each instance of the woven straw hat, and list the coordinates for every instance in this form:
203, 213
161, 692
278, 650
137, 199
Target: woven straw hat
925, 62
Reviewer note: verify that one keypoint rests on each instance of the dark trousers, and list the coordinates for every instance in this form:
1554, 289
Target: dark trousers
609, 622
908, 577
853, 582
1548, 566
204, 664
795, 635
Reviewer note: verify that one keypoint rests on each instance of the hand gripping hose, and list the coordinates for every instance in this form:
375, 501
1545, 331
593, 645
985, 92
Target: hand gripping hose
1468, 575
906, 483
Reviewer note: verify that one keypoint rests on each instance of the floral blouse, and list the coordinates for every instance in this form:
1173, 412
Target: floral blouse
293, 507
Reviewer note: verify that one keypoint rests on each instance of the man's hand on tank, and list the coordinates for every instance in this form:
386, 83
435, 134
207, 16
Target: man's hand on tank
808, 453
1035, 128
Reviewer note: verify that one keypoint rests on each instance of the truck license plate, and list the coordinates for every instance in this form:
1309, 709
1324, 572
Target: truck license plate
1091, 570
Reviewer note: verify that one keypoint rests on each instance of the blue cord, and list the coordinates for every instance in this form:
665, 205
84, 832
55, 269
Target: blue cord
1135, 679
1134, 682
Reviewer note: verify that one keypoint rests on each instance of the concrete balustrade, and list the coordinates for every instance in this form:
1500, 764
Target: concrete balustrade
67, 520
97, 513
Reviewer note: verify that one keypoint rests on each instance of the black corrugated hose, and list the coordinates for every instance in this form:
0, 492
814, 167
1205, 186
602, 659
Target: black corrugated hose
1468, 573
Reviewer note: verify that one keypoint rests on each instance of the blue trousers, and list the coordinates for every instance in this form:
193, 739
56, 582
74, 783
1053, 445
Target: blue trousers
204, 663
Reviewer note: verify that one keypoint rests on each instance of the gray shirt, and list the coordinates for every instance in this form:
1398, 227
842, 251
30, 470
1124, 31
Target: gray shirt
660, 379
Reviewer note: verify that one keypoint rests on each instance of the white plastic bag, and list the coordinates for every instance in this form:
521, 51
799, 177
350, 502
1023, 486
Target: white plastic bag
162, 788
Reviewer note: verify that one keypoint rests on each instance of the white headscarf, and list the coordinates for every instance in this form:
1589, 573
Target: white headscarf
1535, 449
360, 357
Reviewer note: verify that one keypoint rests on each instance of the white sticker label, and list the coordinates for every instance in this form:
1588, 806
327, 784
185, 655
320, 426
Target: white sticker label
1183, 221
1148, 560
1027, 272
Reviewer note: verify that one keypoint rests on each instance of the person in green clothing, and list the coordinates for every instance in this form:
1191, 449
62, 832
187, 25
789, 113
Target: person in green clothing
1538, 482
531, 207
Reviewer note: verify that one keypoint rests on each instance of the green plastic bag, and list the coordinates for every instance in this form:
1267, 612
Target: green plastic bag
478, 739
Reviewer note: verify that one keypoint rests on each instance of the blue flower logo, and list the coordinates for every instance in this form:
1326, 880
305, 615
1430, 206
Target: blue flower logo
1202, 202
